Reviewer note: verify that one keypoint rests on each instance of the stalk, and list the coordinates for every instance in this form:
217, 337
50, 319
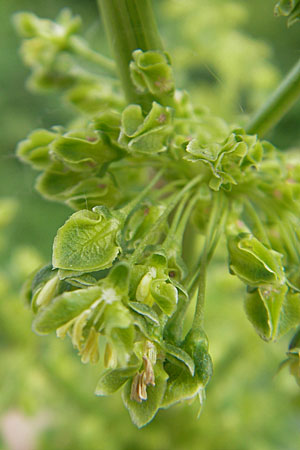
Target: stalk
130, 25
277, 105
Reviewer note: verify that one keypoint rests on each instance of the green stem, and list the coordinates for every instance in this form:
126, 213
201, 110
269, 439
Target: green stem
81, 48
130, 25
277, 105
175, 199
131, 206
215, 224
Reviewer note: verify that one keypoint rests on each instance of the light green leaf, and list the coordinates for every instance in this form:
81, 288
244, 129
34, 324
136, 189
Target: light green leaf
82, 152
65, 308
165, 295
181, 385
181, 355
145, 311
87, 241
273, 311
35, 149
254, 263
142, 413
112, 380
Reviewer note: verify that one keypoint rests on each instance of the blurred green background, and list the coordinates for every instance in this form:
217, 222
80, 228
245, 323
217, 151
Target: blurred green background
229, 55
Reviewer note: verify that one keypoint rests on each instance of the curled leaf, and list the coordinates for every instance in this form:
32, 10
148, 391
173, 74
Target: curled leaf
87, 241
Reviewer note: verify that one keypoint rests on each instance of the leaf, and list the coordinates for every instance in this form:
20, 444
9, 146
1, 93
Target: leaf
112, 380
181, 355
35, 149
91, 192
87, 241
181, 385
196, 345
143, 413
57, 182
254, 263
119, 277
116, 315
273, 311
165, 295
290, 8
65, 308
81, 152
151, 70
145, 135
145, 311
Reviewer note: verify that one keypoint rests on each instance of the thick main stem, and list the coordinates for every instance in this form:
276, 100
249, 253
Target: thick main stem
130, 25
277, 105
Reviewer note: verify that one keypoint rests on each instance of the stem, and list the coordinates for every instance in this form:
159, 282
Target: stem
277, 105
130, 25
215, 224
131, 206
81, 48
176, 198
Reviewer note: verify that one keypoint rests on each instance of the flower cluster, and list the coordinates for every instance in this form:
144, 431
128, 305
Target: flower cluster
141, 178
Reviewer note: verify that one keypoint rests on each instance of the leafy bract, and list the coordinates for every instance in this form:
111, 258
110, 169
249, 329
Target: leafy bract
87, 241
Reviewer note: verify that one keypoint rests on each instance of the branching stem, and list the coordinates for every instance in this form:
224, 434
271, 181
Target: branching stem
277, 105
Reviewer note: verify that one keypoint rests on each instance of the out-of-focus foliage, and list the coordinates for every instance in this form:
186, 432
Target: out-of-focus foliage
43, 378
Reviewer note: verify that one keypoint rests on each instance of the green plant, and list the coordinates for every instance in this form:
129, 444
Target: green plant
149, 174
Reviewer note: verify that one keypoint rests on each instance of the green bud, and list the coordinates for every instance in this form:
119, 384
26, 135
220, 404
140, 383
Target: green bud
229, 162
145, 135
165, 295
151, 71
44, 287
254, 263
183, 384
273, 311
88, 240
290, 8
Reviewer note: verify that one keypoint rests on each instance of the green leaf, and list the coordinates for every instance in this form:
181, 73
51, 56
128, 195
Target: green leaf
112, 380
119, 277
151, 71
254, 263
290, 8
181, 385
273, 311
87, 241
165, 295
145, 311
83, 152
196, 345
65, 308
145, 135
35, 149
57, 182
116, 315
143, 413
181, 355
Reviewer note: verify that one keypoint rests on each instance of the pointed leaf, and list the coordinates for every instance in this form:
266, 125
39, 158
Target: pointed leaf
142, 413
112, 380
65, 308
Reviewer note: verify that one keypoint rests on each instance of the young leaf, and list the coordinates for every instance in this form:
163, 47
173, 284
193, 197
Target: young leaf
165, 295
254, 263
112, 380
142, 413
65, 308
87, 241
